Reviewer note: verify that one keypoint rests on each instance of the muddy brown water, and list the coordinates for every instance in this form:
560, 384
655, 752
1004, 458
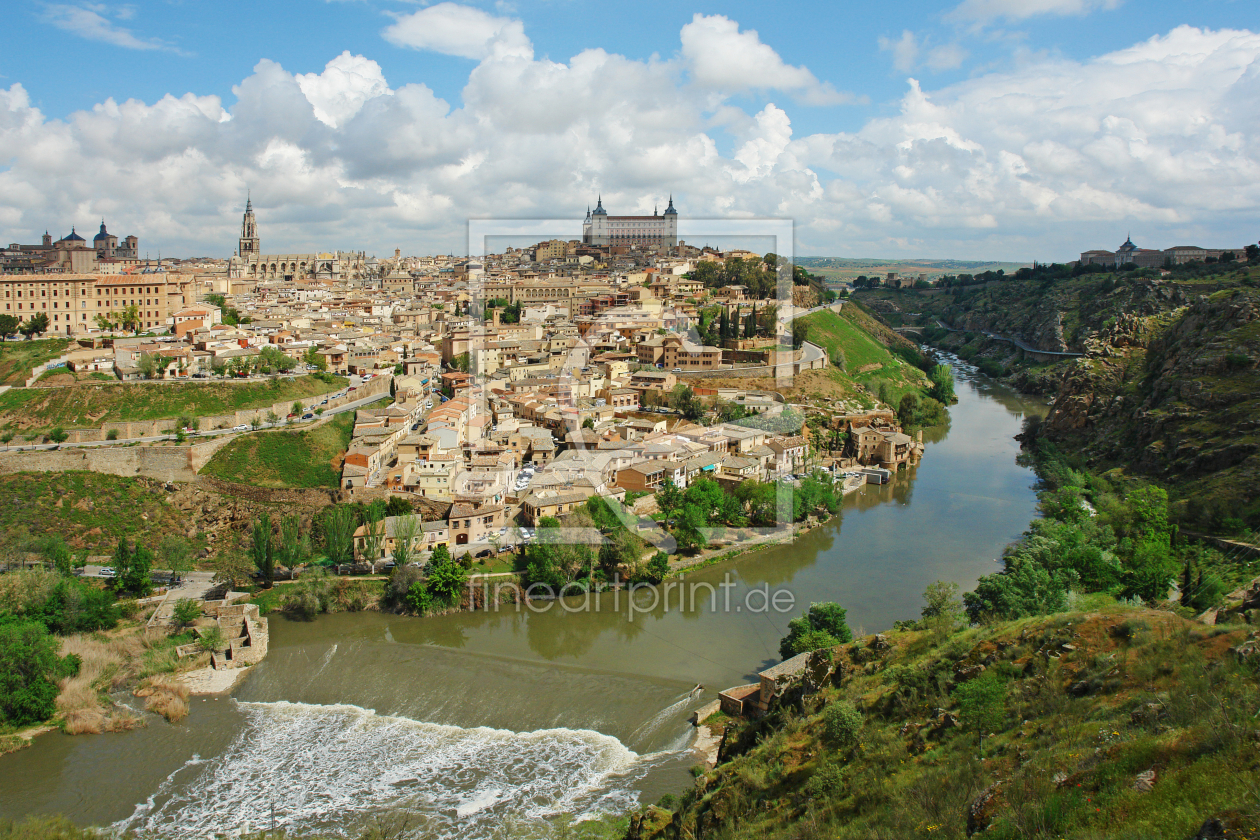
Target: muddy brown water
489, 724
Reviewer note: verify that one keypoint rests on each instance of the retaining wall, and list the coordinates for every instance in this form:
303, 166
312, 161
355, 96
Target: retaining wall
150, 428
164, 463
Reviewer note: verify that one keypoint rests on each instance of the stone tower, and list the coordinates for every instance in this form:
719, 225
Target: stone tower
250, 243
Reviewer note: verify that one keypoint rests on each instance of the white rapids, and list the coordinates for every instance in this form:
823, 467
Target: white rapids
327, 769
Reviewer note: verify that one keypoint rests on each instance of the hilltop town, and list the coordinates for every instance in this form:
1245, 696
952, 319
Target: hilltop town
488, 392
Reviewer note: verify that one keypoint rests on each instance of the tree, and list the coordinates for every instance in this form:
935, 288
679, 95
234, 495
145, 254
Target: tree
104, 324
440, 556
132, 565
724, 326
942, 608
460, 363
58, 553
588, 423
552, 561
29, 668
445, 583
186, 612
800, 333
908, 409
980, 704
824, 625
296, 408
668, 498
942, 378
261, 549
750, 323
313, 358
406, 529
374, 533
129, 318
1024, 588
58, 435
293, 547
8, 326
147, 365
622, 548
37, 324
691, 518
339, 528
231, 567
398, 506
684, 401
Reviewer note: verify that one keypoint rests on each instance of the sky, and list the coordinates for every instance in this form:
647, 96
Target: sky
976, 129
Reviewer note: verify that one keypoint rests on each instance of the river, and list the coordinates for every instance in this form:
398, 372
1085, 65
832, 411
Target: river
488, 724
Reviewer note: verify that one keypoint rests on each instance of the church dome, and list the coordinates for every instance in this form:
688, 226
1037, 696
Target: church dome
74, 237
103, 235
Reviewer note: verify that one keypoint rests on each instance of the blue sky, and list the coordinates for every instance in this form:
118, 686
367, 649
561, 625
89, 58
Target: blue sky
1032, 129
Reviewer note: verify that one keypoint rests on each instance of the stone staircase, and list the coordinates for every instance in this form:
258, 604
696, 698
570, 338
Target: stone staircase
244, 630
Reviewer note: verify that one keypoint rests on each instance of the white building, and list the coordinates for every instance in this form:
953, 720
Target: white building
601, 229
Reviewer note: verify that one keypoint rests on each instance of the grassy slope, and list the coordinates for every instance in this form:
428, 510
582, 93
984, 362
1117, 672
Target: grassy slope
1076, 728
865, 342
90, 510
87, 404
18, 358
307, 458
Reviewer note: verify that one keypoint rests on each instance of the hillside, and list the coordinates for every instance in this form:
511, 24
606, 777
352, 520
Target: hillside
89, 404
280, 458
19, 358
89, 510
1118, 723
1167, 387
872, 354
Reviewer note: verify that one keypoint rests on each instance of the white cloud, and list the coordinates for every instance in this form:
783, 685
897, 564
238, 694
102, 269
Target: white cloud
721, 58
984, 11
460, 30
89, 21
340, 91
907, 49
1039, 161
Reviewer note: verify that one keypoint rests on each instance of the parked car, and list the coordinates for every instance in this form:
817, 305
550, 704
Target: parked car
244, 427
307, 416
108, 571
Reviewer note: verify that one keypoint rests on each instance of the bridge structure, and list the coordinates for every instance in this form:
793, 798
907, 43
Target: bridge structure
1027, 349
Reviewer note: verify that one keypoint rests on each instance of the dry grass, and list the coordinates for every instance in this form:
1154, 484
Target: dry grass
108, 663
166, 697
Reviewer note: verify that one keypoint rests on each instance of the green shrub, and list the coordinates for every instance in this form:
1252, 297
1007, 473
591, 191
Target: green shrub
29, 667
827, 781
212, 640
842, 723
187, 611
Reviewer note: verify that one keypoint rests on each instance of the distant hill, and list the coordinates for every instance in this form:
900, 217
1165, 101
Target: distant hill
844, 268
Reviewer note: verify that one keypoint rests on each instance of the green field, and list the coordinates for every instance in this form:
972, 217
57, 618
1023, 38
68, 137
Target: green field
295, 459
89, 510
89, 404
19, 358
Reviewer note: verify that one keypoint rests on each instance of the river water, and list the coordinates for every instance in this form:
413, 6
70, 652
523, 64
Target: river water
489, 724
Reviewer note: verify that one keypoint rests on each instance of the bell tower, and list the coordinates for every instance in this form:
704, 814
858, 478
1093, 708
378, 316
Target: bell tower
250, 243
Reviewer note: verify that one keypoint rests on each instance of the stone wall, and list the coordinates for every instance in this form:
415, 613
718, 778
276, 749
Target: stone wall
151, 428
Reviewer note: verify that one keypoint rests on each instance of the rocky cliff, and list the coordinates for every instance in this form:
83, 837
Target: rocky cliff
1173, 396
